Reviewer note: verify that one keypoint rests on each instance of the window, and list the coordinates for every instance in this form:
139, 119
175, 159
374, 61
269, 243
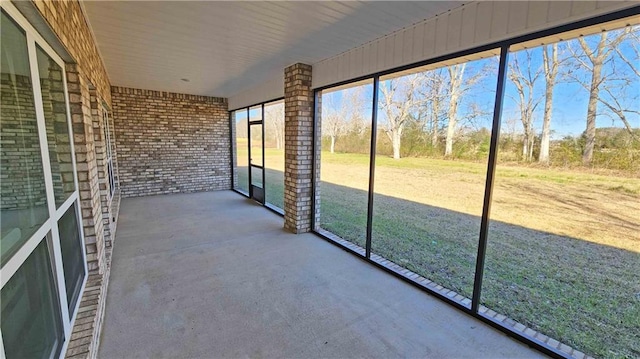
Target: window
344, 127
110, 144
434, 128
274, 152
42, 262
31, 323
241, 155
563, 254
259, 146
24, 198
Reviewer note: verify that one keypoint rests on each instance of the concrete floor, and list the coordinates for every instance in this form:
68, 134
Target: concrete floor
214, 275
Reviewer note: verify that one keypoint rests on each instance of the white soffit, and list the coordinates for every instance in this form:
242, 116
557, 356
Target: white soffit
224, 48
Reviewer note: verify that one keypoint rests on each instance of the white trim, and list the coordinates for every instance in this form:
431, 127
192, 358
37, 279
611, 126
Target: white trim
48, 231
76, 193
11, 267
58, 269
16, 15
2, 353
63, 207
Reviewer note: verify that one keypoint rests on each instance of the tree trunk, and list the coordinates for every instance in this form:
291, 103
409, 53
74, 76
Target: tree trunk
590, 133
550, 71
456, 74
333, 143
546, 127
451, 128
395, 139
434, 127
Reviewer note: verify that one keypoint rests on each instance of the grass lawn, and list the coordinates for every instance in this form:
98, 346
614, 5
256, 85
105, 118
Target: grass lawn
563, 255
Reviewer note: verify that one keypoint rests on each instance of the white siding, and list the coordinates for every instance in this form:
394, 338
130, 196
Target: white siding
474, 24
269, 90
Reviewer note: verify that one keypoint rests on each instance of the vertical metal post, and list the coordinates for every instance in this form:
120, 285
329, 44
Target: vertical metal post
491, 169
231, 149
249, 168
264, 168
372, 162
314, 158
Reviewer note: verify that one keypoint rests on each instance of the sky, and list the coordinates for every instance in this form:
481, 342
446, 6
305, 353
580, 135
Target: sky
570, 98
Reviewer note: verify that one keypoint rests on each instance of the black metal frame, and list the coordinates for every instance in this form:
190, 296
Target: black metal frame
234, 188
491, 166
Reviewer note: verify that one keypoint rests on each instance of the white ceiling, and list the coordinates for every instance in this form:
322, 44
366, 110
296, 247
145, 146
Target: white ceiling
224, 48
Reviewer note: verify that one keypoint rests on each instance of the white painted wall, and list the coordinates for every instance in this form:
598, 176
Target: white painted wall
266, 91
472, 25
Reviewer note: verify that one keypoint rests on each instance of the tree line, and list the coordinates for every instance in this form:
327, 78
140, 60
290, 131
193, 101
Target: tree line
446, 111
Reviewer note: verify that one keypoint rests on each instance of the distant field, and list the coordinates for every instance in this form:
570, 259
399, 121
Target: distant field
564, 246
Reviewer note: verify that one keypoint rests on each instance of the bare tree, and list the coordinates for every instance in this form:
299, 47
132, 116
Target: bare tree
617, 97
339, 117
399, 102
459, 83
333, 125
434, 93
524, 77
551, 65
274, 122
456, 74
593, 60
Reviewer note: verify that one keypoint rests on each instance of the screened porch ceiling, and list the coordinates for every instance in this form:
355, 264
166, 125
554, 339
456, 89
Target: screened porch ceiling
223, 48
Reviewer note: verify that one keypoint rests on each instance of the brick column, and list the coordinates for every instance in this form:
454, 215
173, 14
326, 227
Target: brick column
298, 153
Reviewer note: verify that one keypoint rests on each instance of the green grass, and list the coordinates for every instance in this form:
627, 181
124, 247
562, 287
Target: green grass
582, 293
557, 277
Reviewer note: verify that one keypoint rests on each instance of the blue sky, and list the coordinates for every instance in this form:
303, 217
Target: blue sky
570, 98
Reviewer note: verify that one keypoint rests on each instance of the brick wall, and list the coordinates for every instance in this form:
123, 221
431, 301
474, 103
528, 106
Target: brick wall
298, 155
170, 143
67, 21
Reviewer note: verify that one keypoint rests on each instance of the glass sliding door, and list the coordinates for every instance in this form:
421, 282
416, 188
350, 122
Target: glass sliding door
42, 262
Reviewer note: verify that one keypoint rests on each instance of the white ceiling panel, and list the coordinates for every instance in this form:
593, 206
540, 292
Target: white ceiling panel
224, 48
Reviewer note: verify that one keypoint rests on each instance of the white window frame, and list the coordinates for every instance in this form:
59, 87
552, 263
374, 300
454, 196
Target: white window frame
108, 155
51, 224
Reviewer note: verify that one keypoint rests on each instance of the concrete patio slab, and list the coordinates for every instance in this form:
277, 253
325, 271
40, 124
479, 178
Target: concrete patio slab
214, 275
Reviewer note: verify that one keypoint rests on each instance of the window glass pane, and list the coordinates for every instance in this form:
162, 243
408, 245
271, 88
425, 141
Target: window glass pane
72, 261
434, 130
31, 324
344, 124
241, 168
563, 252
55, 116
23, 198
256, 177
274, 152
255, 114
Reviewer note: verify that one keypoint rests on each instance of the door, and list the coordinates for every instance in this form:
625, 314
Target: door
256, 154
